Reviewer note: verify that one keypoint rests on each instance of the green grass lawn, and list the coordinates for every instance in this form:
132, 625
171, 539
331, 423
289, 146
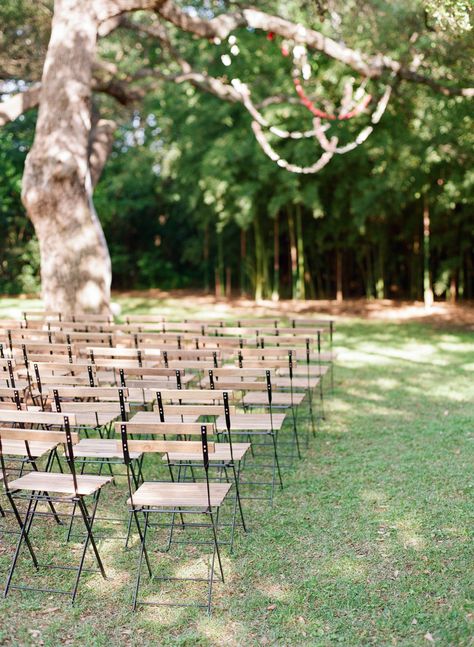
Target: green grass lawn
370, 543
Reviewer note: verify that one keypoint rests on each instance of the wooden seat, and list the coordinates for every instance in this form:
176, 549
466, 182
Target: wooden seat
178, 495
296, 382
151, 417
278, 399
89, 418
252, 422
59, 483
100, 448
18, 448
221, 453
50, 488
315, 370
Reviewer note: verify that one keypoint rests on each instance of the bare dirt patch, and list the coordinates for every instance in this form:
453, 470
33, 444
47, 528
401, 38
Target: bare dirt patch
440, 314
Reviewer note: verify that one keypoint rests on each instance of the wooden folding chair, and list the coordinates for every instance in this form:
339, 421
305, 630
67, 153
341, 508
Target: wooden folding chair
256, 428
16, 399
23, 455
228, 456
226, 459
178, 498
272, 364
47, 487
94, 408
92, 415
315, 328
295, 386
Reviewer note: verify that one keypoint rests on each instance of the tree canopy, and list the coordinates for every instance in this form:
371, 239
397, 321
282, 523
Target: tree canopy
188, 197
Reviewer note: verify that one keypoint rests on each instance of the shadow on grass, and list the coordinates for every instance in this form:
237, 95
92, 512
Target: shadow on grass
370, 543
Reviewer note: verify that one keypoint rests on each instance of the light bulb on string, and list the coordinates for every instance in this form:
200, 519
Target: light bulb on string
306, 71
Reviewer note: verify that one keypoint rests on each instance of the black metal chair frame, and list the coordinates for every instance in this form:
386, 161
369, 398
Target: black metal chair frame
275, 466
136, 466
222, 466
212, 513
32, 499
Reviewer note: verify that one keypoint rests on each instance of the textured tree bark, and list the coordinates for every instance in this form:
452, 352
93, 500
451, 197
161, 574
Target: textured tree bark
100, 146
57, 182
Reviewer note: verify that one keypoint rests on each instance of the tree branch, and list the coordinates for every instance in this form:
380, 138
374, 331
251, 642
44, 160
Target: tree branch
19, 103
106, 80
12, 108
106, 10
200, 80
100, 146
368, 66
118, 89
448, 91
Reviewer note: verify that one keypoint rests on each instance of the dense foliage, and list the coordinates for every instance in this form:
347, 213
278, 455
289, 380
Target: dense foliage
189, 199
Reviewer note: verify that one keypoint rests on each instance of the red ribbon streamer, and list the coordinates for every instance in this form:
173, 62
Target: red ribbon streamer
325, 115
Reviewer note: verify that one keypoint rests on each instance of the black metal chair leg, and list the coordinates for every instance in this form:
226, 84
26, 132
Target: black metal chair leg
276, 461
321, 398
239, 500
140, 534
71, 522
295, 431
140, 561
311, 412
25, 528
88, 522
136, 481
216, 544
27, 540
211, 579
80, 567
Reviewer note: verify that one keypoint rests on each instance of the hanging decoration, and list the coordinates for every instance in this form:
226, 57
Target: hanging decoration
324, 115
282, 163
353, 104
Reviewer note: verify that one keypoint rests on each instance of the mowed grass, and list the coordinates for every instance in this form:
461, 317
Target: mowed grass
370, 542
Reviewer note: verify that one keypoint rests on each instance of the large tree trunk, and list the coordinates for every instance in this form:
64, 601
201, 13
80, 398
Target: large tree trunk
57, 183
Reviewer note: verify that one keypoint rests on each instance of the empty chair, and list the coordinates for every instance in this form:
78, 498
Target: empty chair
194, 499
47, 487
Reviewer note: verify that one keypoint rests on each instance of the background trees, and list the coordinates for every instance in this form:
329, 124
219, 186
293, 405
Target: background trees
188, 198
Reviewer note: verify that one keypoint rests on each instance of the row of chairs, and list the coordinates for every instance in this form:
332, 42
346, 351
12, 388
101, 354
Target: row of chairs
75, 410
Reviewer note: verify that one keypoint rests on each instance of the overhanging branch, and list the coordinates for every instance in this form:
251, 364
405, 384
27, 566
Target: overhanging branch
372, 67
16, 105
120, 89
